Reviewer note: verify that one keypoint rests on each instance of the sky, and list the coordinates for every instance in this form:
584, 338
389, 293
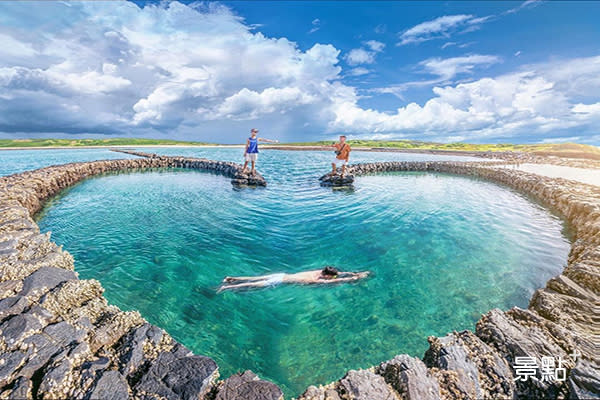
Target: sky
472, 71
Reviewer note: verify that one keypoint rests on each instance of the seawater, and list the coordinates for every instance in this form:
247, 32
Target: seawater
442, 250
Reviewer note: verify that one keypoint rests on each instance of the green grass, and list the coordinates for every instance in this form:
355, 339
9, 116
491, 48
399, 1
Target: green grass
418, 145
7, 143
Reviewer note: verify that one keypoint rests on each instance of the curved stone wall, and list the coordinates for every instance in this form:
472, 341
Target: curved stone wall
60, 339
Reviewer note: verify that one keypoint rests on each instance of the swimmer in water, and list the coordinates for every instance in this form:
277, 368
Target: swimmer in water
318, 276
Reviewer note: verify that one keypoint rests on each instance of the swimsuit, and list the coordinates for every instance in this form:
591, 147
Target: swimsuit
274, 279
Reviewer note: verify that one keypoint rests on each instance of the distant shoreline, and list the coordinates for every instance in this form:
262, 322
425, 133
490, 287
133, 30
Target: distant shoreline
120, 146
556, 158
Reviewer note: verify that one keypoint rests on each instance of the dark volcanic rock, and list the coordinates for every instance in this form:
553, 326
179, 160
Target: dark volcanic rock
12, 306
178, 378
111, 386
247, 386
337, 180
44, 279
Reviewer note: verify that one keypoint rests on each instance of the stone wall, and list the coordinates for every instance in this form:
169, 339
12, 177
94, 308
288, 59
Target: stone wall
561, 318
60, 339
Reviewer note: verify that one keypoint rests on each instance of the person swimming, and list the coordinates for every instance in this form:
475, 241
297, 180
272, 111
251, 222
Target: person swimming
319, 276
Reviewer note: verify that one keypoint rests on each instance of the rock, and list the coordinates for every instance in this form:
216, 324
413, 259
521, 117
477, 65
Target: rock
10, 288
337, 180
111, 386
12, 306
132, 352
512, 339
22, 389
584, 381
17, 328
64, 333
365, 385
479, 371
9, 364
247, 386
410, 377
44, 279
178, 378
60, 338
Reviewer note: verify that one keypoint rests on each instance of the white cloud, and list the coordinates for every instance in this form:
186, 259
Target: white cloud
441, 27
375, 46
316, 25
525, 4
448, 44
248, 104
199, 72
448, 68
533, 102
360, 56
358, 71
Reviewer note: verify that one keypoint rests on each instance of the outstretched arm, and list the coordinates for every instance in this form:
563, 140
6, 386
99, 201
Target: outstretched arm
353, 276
268, 140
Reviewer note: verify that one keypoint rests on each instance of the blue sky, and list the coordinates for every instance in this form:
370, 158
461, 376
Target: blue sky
489, 71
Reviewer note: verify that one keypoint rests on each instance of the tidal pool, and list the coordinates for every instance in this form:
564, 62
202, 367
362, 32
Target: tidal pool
442, 249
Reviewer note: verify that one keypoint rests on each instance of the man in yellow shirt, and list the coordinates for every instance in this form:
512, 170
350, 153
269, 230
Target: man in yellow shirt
342, 153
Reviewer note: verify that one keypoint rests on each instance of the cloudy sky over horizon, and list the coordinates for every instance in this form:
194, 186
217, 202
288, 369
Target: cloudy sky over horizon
525, 71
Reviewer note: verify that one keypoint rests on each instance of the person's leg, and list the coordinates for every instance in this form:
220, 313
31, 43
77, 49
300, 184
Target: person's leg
256, 284
245, 166
333, 168
343, 169
253, 170
246, 278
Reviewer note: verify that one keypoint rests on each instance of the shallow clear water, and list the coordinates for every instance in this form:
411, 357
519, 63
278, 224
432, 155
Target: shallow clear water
442, 249
15, 161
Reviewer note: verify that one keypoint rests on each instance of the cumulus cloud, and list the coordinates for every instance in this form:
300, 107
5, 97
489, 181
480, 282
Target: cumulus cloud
363, 56
163, 67
535, 102
441, 27
360, 56
199, 72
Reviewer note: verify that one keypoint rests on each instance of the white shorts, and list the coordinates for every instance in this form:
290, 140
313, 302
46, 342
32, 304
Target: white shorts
251, 156
337, 161
274, 279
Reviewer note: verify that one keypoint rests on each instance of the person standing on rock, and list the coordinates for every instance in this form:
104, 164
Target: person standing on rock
342, 153
251, 150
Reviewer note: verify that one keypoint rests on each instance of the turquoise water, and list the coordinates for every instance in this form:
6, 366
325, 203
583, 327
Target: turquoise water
442, 249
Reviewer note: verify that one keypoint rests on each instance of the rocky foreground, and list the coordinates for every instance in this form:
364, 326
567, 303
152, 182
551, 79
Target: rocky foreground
60, 339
